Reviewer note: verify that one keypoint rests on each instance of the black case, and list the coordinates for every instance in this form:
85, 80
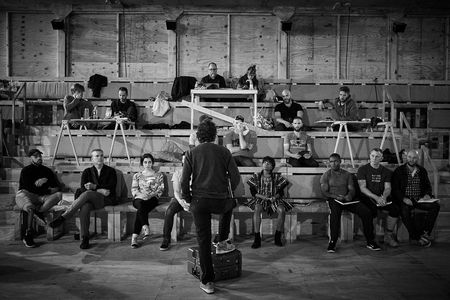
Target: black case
226, 266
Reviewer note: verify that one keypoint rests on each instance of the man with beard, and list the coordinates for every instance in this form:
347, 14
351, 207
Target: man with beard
286, 112
123, 108
213, 77
375, 183
38, 192
411, 189
337, 185
297, 146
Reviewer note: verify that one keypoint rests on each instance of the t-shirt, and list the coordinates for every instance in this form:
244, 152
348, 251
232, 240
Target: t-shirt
218, 79
233, 139
337, 181
297, 144
288, 113
375, 178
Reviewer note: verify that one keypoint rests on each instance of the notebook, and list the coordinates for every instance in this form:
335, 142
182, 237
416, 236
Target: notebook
346, 203
432, 200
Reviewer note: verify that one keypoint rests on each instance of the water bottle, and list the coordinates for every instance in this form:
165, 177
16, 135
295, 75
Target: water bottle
86, 113
251, 85
94, 113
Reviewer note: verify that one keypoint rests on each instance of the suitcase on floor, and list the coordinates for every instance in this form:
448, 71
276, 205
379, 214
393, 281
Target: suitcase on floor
226, 266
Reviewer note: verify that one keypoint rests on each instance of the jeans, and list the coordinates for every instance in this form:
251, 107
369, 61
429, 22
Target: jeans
359, 209
408, 218
86, 202
244, 161
201, 209
143, 208
174, 208
303, 162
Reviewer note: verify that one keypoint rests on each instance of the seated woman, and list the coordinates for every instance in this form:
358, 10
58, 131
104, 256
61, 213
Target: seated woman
176, 205
249, 82
75, 105
147, 187
267, 191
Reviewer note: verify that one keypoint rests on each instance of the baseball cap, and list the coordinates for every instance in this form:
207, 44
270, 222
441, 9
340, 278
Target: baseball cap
34, 152
239, 117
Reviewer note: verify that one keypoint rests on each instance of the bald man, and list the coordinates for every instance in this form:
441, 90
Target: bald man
410, 187
286, 112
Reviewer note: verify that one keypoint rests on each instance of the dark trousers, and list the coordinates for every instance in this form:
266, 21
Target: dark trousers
408, 218
244, 161
201, 209
143, 208
358, 209
174, 208
303, 162
393, 209
282, 127
86, 202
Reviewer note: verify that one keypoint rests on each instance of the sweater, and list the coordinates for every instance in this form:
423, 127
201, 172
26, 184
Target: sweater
33, 172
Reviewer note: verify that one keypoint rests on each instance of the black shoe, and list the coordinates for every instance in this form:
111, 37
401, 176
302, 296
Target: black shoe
372, 245
331, 247
39, 218
84, 243
278, 239
165, 245
57, 222
28, 240
257, 242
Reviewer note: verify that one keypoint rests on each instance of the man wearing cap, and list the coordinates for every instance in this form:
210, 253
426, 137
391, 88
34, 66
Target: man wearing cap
38, 192
240, 141
286, 112
193, 140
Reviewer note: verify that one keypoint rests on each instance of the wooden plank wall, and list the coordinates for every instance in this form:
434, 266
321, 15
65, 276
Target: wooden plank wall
93, 45
143, 46
3, 44
33, 47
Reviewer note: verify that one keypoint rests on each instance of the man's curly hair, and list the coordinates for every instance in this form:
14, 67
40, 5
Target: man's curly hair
206, 132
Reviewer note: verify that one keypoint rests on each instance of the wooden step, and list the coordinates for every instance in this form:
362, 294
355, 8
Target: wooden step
6, 232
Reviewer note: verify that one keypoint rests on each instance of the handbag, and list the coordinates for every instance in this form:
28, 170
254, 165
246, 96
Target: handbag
263, 121
161, 105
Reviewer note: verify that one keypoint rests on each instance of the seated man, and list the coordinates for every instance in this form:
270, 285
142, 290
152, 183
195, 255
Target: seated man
123, 108
297, 146
98, 189
38, 192
176, 205
337, 184
375, 183
267, 189
213, 77
76, 107
240, 141
286, 112
345, 108
411, 188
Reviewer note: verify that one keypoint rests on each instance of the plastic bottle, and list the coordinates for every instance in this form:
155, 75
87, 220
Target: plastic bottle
94, 113
86, 113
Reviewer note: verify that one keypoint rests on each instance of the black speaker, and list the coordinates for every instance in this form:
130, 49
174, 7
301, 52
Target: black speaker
398, 27
58, 24
171, 25
286, 26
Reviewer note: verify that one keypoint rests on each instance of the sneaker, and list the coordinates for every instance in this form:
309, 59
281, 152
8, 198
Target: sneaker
424, 242
28, 240
331, 247
207, 288
389, 239
145, 232
57, 222
40, 218
427, 236
164, 246
84, 243
224, 247
372, 245
134, 243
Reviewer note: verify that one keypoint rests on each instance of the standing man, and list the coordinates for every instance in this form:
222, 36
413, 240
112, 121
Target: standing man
297, 146
337, 185
375, 183
213, 77
38, 192
123, 107
213, 172
411, 189
286, 112
240, 141
98, 189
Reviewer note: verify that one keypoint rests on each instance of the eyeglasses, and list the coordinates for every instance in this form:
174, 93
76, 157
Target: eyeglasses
213, 69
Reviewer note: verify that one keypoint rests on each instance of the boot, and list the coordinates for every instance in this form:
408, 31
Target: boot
278, 238
257, 242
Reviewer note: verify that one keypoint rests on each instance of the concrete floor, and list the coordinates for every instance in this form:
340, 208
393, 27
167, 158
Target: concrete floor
302, 270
